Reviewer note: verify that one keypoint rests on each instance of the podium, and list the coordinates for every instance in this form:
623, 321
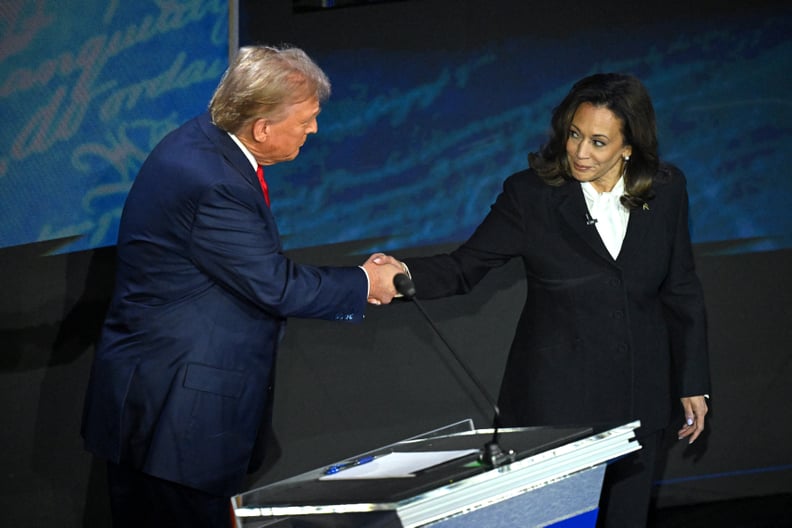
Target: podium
554, 479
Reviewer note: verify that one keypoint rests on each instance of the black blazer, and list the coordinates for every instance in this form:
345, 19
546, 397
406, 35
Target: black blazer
179, 385
598, 340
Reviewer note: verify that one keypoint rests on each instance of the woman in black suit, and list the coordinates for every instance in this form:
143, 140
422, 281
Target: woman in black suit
614, 310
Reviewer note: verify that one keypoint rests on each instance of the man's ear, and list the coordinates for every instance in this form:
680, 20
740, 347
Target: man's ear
260, 130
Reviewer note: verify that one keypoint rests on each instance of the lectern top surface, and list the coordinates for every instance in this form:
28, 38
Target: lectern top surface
308, 489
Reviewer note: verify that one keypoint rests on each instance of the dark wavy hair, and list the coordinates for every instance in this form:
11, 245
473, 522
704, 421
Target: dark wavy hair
627, 98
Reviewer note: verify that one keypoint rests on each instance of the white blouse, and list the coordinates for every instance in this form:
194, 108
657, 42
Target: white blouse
608, 214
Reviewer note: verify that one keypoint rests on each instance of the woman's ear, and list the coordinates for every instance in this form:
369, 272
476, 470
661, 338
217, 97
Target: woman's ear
626, 153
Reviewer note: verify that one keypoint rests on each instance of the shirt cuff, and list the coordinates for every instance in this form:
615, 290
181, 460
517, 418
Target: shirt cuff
368, 281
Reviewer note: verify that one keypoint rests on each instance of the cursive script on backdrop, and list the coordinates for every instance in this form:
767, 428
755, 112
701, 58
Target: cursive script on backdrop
91, 93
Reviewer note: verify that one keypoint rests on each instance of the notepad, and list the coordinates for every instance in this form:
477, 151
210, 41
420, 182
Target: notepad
398, 465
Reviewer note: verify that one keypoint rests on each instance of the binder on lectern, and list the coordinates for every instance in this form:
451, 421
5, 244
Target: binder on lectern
436, 479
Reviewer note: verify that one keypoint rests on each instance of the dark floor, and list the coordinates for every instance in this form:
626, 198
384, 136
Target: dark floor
773, 511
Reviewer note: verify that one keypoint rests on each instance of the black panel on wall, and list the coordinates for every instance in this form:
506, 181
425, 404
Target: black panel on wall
304, 6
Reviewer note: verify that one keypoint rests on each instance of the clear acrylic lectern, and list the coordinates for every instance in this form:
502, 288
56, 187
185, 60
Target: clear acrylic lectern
554, 480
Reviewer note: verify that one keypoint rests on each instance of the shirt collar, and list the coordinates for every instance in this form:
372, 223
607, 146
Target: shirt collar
249, 155
593, 194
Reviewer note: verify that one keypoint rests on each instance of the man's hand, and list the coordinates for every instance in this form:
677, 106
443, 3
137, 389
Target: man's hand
381, 269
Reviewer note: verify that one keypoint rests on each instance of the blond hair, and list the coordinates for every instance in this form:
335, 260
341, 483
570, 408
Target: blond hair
261, 82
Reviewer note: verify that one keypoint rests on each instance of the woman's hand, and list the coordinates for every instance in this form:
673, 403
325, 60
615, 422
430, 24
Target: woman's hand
695, 408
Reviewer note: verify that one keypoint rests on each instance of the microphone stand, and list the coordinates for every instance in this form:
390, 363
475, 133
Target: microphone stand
492, 455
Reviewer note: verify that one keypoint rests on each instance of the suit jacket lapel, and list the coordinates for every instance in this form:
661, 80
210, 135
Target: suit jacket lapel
640, 220
237, 159
573, 209
229, 149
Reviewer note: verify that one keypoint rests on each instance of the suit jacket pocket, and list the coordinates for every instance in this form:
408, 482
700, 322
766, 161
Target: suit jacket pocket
211, 379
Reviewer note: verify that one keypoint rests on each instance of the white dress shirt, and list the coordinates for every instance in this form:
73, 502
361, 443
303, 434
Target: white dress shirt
609, 214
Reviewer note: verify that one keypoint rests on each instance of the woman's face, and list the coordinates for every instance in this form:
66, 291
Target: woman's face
595, 146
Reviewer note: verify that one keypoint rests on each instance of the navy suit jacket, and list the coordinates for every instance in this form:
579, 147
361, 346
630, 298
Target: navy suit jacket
179, 385
599, 340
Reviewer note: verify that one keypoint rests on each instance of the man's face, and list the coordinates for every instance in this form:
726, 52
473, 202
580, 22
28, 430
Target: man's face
285, 137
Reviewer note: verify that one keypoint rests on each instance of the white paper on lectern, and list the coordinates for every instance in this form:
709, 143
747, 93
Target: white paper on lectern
398, 465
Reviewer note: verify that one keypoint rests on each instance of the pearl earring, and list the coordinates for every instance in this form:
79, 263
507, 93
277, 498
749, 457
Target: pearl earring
626, 158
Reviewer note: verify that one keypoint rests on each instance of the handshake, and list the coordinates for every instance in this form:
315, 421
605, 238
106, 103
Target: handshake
381, 270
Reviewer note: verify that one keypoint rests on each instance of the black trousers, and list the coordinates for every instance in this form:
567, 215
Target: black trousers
627, 488
140, 500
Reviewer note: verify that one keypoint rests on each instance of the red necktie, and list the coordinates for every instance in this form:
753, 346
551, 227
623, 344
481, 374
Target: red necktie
263, 182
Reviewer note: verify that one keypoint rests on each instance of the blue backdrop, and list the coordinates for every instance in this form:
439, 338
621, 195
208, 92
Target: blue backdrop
413, 144
87, 89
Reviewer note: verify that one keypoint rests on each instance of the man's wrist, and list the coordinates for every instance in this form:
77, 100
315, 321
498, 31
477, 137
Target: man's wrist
368, 281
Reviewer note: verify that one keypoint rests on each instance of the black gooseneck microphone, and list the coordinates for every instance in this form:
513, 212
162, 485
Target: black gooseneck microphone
492, 455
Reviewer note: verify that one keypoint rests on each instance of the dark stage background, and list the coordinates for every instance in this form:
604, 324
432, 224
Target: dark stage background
435, 103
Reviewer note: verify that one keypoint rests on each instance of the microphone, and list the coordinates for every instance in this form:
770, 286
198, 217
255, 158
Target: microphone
492, 455
589, 220
404, 285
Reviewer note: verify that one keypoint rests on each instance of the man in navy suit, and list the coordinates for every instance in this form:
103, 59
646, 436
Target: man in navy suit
180, 386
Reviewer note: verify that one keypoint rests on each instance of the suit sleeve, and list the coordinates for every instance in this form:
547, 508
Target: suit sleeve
235, 241
683, 300
495, 241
